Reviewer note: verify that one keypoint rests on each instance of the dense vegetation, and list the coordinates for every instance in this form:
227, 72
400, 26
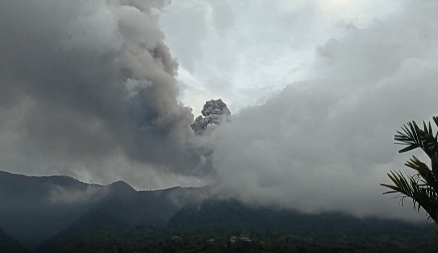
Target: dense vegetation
34, 209
129, 221
209, 226
147, 239
215, 216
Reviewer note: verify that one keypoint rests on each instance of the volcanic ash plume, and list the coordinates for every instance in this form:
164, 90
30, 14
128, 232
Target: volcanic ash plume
214, 112
94, 80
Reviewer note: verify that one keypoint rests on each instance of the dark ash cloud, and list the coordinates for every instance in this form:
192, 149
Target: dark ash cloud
92, 80
213, 113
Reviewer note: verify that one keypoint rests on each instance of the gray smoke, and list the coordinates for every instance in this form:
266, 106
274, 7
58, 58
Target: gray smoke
325, 144
214, 112
90, 82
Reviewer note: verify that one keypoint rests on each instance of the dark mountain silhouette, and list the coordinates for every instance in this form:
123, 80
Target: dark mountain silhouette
35, 209
89, 225
120, 212
100, 232
145, 207
9, 245
219, 216
62, 214
99, 229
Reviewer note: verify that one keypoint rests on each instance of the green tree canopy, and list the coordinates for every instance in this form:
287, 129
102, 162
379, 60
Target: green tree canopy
422, 187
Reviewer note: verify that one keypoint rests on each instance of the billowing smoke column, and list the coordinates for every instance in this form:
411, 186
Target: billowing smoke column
326, 144
93, 79
214, 112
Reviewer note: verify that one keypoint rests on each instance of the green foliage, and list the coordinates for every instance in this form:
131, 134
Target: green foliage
269, 230
214, 216
142, 239
191, 229
422, 187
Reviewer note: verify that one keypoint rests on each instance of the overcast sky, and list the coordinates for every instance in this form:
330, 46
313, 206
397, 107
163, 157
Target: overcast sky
244, 51
106, 90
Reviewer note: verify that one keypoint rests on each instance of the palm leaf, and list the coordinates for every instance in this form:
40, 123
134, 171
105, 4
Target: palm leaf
412, 136
422, 187
422, 196
424, 171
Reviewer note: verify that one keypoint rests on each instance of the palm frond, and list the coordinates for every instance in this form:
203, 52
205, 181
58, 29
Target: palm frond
421, 195
409, 137
412, 136
424, 171
434, 163
422, 187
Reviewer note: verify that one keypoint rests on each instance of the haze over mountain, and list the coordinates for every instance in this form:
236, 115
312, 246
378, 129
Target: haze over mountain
35, 209
212, 216
58, 212
47, 214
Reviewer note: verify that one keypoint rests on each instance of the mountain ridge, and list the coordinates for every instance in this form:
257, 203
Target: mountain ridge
49, 211
36, 208
219, 218
10, 245
221, 215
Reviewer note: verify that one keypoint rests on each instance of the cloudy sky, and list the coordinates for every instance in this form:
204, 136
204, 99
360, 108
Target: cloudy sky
244, 51
106, 90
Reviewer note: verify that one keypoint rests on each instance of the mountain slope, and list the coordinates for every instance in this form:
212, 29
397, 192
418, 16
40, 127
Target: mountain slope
118, 214
89, 225
34, 209
269, 230
212, 216
116, 217
99, 232
146, 207
9, 245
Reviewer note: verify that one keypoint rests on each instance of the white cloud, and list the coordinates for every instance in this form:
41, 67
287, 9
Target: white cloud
357, 71
262, 45
328, 147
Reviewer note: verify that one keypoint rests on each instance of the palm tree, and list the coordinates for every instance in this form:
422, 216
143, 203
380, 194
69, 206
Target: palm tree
422, 187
